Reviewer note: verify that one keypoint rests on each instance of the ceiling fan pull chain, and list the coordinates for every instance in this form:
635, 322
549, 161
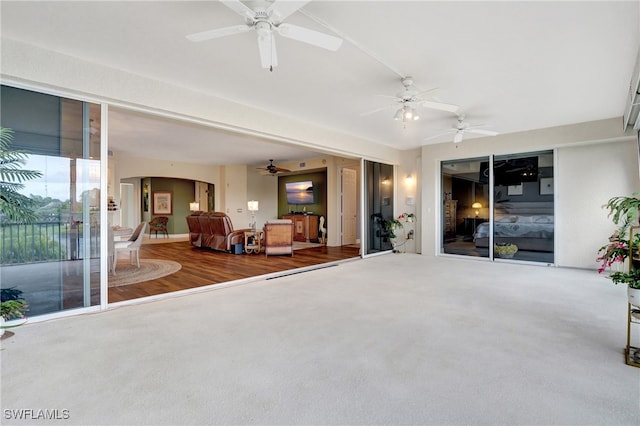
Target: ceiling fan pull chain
271, 54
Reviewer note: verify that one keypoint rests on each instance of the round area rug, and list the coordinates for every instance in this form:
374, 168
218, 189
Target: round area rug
150, 269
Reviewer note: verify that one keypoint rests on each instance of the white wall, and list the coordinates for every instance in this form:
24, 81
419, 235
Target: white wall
264, 189
589, 176
610, 168
234, 195
408, 188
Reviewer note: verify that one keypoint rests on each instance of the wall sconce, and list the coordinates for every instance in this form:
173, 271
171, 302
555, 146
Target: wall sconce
386, 180
252, 206
476, 206
409, 178
194, 206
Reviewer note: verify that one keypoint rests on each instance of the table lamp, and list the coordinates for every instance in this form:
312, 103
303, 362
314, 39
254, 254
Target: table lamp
252, 206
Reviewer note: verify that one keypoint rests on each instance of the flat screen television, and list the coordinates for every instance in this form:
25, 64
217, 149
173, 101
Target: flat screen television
299, 192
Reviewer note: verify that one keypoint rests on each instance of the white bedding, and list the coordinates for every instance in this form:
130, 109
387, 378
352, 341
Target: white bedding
530, 226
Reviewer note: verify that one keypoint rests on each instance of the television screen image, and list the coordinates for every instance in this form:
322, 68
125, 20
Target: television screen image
299, 192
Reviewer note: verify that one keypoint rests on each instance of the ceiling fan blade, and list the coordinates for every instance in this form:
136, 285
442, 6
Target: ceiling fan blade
458, 137
482, 131
267, 47
220, 32
438, 135
373, 111
240, 8
280, 10
440, 106
426, 92
312, 37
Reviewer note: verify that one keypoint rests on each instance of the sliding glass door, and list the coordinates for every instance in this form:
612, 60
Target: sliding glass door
523, 207
500, 207
378, 206
465, 206
53, 263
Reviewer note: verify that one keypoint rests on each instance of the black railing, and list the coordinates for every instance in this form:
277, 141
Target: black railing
47, 242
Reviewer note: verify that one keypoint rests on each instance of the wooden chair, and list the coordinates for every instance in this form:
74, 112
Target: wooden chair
132, 245
159, 224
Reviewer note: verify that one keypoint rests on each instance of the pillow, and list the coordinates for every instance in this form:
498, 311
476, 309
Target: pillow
542, 219
525, 219
506, 219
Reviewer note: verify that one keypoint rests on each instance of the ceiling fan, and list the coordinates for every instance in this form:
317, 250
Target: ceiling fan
463, 127
273, 169
266, 18
407, 100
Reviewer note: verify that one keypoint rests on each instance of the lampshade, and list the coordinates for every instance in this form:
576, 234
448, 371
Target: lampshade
476, 205
194, 206
252, 206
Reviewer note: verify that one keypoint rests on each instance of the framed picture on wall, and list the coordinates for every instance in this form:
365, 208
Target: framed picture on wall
162, 203
546, 186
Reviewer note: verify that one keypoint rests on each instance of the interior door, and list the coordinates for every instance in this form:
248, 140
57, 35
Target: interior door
349, 206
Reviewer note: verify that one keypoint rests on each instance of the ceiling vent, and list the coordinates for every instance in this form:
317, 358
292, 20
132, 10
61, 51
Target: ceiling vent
633, 100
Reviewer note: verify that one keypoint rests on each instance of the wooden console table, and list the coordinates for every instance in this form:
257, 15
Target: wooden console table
305, 227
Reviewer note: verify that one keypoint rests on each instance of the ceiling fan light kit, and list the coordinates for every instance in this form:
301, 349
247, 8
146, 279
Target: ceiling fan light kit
406, 113
409, 99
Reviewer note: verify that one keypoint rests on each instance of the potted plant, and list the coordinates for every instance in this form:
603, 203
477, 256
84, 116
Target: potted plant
11, 309
505, 250
387, 229
623, 211
632, 280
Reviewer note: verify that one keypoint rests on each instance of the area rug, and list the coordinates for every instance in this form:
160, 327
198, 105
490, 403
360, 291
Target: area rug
150, 269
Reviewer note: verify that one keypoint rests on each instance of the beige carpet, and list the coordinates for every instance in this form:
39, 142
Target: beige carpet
150, 269
397, 339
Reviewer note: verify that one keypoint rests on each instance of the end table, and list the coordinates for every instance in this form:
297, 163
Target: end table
256, 246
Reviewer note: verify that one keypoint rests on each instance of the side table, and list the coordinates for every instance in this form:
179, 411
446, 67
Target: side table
255, 246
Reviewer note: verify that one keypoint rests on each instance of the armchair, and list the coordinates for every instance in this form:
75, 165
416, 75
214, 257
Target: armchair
278, 237
159, 224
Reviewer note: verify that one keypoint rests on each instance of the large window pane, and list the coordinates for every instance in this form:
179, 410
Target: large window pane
524, 207
54, 263
465, 206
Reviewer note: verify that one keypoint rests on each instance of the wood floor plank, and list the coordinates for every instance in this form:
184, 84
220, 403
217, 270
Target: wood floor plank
201, 267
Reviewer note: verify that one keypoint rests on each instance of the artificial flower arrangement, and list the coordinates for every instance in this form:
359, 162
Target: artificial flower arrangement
613, 253
407, 217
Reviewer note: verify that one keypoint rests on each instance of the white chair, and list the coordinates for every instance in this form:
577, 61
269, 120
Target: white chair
132, 245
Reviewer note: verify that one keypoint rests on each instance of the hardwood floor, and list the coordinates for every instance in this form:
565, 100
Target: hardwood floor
205, 267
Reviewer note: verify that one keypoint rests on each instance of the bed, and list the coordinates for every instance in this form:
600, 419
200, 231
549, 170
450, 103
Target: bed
529, 225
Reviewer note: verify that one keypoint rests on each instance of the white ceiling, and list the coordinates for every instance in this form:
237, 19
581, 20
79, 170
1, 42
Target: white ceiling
514, 65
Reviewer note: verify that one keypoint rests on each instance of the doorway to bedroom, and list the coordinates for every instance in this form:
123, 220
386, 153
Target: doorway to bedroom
499, 207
